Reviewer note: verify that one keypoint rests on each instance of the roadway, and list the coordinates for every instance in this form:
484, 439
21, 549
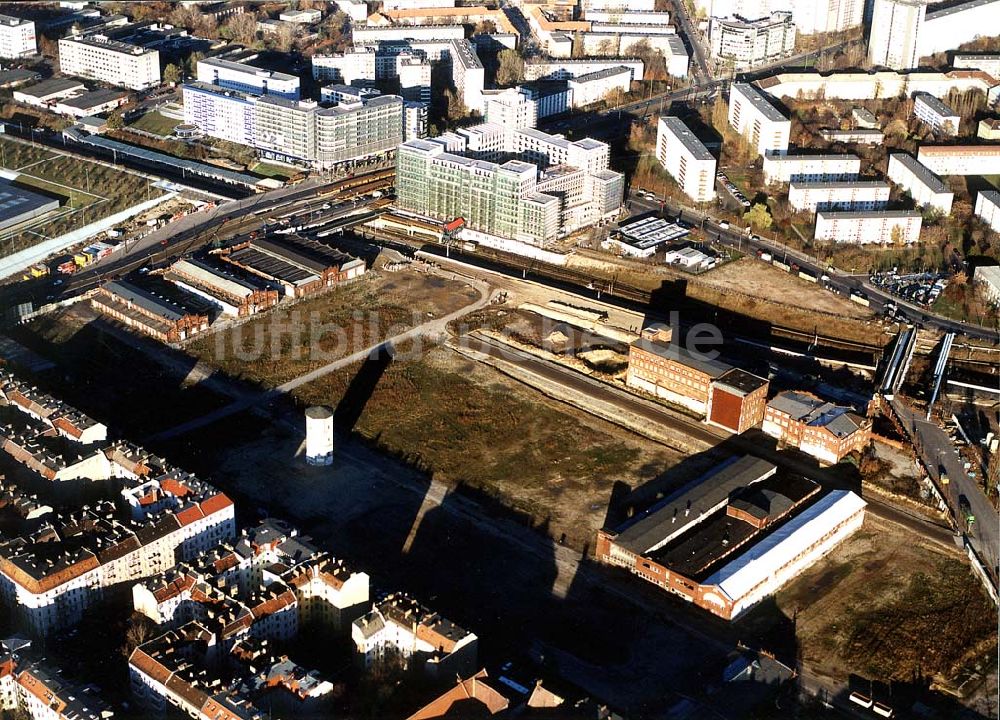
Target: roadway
841, 282
693, 37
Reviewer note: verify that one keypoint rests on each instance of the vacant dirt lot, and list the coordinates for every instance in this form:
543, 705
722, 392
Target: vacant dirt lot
887, 606
294, 339
467, 424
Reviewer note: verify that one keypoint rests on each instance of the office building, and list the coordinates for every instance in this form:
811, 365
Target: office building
116, 63
685, 159
247, 78
895, 227
988, 208
17, 37
415, 120
414, 79
786, 168
941, 118
826, 431
512, 108
752, 115
843, 195
926, 188
746, 43
552, 188
960, 159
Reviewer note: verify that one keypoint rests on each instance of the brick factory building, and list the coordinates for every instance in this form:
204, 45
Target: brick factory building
233, 294
728, 397
148, 313
734, 537
300, 267
826, 431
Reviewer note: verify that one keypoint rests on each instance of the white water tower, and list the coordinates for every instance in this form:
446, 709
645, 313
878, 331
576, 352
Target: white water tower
319, 435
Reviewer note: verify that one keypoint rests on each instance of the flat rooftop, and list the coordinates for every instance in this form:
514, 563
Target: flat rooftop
867, 214
243, 67
17, 204
836, 184
697, 553
687, 138
934, 104
687, 506
650, 232
761, 103
52, 86
680, 354
741, 381
935, 14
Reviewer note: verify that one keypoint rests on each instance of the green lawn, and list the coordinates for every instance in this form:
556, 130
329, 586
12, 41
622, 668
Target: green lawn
993, 180
156, 123
280, 172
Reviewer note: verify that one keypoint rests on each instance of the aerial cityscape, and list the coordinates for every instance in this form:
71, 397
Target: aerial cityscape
568, 359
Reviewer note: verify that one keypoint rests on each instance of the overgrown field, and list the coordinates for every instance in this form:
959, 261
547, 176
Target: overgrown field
87, 191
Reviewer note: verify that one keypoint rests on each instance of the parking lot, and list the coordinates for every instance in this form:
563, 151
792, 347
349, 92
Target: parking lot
919, 288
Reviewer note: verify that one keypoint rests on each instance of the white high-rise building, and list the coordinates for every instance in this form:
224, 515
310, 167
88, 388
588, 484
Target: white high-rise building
903, 31
752, 115
746, 43
414, 120
247, 78
17, 37
935, 113
961, 159
227, 115
347, 67
786, 168
988, 208
813, 16
512, 108
116, 63
838, 195
686, 159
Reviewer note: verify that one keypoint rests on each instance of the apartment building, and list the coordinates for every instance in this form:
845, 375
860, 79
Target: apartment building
147, 313
926, 188
988, 208
988, 129
786, 168
414, 75
726, 396
17, 37
247, 78
960, 159
897, 227
987, 62
38, 691
857, 136
941, 118
389, 33
65, 420
846, 195
987, 277
685, 159
512, 108
565, 69
421, 638
415, 120
752, 115
877, 85
826, 431
747, 43
418, 4
601, 85
903, 31
349, 67
116, 63
816, 16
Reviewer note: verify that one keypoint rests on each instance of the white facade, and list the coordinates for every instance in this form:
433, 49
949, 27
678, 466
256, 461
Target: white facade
903, 31
987, 62
961, 159
356, 10
866, 227
592, 88
633, 5
876, 85
988, 208
753, 116
407, 32
935, 113
414, 120
852, 195
926, 188
785, 168
247, 78
512, 108
347, 67
467, 74
631, 17
565, 69
414, 79
319, 436
685, 159
225, 115
815, 16
987, 277
307, 17
746, 43
416, 4
17, 37
115, 63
